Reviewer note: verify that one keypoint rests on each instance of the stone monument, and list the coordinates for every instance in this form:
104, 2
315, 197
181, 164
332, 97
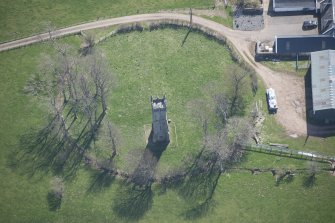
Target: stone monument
160, 129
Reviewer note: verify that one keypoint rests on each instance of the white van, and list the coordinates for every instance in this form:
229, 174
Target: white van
271, 99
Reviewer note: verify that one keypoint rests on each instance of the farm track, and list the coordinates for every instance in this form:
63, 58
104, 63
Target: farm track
289, 88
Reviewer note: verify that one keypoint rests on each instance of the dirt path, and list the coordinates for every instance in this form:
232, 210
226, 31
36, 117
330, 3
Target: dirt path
290, 89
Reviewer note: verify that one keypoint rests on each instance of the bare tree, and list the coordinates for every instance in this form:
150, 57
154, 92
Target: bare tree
254, 83
222, 107
201, 110
101, 79
113, 137
231, 102
237, 90
77, 89
226, 145
310, 178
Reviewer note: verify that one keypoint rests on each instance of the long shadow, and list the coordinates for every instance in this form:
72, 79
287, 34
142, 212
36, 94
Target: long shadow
100, 179
144, 172
197, 183
54, 201
44, 150
134, 198
199, 210
200, 187
309, 181
50, 149
185, 38
132, 202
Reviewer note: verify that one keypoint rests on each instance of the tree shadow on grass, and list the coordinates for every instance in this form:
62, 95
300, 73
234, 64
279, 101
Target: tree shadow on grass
284, 177
309, 181
199, 185
199, 190
49, 149
132, 202
54, 201
100, 179
135, 197
185, 38
199, 210
144, 172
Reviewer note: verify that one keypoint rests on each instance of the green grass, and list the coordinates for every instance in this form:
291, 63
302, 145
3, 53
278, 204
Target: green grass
141, 61
289, 67
273, 132
182, 73
276, 134
227, 21
20, 18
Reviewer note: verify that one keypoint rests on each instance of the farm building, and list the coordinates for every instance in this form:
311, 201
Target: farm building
304, 44
293, 45
294, 5
325, 7
323, 84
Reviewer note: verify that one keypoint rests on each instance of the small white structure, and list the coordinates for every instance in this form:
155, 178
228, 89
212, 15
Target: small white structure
160, 127
272, 100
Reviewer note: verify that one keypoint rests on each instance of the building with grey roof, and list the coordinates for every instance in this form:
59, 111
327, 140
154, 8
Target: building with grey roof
293, 5
323, 83
292, 45
302, 45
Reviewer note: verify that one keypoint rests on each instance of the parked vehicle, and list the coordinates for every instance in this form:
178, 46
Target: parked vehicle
271, 100
311, 24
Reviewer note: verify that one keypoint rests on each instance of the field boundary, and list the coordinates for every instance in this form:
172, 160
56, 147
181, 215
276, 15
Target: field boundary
291, 153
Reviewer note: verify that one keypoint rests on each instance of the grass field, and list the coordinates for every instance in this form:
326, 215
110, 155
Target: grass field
273, 132
289, 67
227, 21
182, 73
145, 64
23, 18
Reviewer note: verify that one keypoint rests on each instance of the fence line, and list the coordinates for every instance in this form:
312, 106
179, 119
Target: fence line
291, 153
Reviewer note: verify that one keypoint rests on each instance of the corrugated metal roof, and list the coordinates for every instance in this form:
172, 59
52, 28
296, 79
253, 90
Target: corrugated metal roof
323, 80
303, 44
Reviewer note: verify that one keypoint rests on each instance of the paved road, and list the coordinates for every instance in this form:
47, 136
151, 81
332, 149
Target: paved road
286, 85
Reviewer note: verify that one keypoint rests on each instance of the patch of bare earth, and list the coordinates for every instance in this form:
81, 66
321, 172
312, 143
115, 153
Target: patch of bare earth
290, 91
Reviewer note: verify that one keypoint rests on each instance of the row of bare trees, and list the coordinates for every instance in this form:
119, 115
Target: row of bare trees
75, 89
